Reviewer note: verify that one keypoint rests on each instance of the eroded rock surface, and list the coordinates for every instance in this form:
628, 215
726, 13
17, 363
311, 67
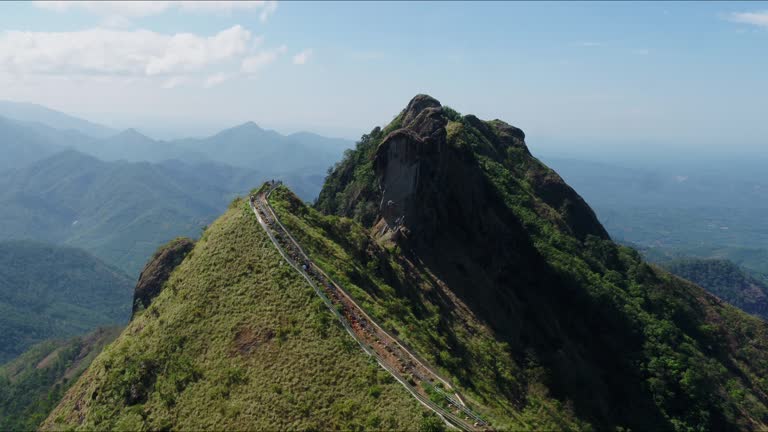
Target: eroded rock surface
158, 270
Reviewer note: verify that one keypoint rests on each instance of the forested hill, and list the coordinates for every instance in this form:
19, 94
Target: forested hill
33, 384
49, 291
726, 280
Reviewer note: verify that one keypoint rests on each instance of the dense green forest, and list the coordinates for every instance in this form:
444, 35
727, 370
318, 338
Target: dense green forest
51, 291
748, 292
34, 383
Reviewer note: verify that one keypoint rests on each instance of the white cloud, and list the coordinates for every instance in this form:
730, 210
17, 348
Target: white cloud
755, 18
116, 52
258, 61
268, 9
302, 57
216, 79
136, 9
641, 51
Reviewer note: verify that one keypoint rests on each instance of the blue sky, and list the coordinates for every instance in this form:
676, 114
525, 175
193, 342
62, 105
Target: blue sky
605, 77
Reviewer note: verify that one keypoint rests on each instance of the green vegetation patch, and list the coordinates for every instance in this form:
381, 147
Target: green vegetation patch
33, 384
49, 291
236, 341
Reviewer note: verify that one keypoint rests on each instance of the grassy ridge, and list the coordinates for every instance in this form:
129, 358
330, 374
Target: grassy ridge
236, 341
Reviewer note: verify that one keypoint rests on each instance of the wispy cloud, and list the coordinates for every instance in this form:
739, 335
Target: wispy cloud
174, 59
302, 57
641, 51
136, 9
217, 79
117, 52
258, 61
759, 19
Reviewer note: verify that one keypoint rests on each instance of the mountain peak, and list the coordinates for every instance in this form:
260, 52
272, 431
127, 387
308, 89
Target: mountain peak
432, 171
249, 125
417, 105
245, 129
132, 133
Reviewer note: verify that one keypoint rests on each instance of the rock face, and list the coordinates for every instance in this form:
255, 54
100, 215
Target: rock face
158, 270
467, 199
427, 179
406, 155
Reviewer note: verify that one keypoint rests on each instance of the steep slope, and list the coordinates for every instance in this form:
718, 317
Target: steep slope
158, 270
52, 292
508, 244
236, 341
727, 281
33, 384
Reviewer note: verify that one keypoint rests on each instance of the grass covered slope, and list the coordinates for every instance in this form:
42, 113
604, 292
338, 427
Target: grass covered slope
235, 341
34, 383
626, 345
410, 302
727, 281
51, 291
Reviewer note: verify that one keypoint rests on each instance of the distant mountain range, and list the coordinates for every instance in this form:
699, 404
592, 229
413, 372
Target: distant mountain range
120, 211
120, 195
31, 132
679, 210
34, 113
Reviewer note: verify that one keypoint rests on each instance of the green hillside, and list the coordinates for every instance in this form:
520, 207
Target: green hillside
34, 383
235, 341
55, 292
457, 240
727, 281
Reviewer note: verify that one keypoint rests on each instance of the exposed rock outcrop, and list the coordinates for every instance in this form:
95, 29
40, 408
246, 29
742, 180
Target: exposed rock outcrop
158, 270
422, 177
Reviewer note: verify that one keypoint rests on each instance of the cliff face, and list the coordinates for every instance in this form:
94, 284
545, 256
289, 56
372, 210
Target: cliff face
512, 246
157, 271
427, 175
